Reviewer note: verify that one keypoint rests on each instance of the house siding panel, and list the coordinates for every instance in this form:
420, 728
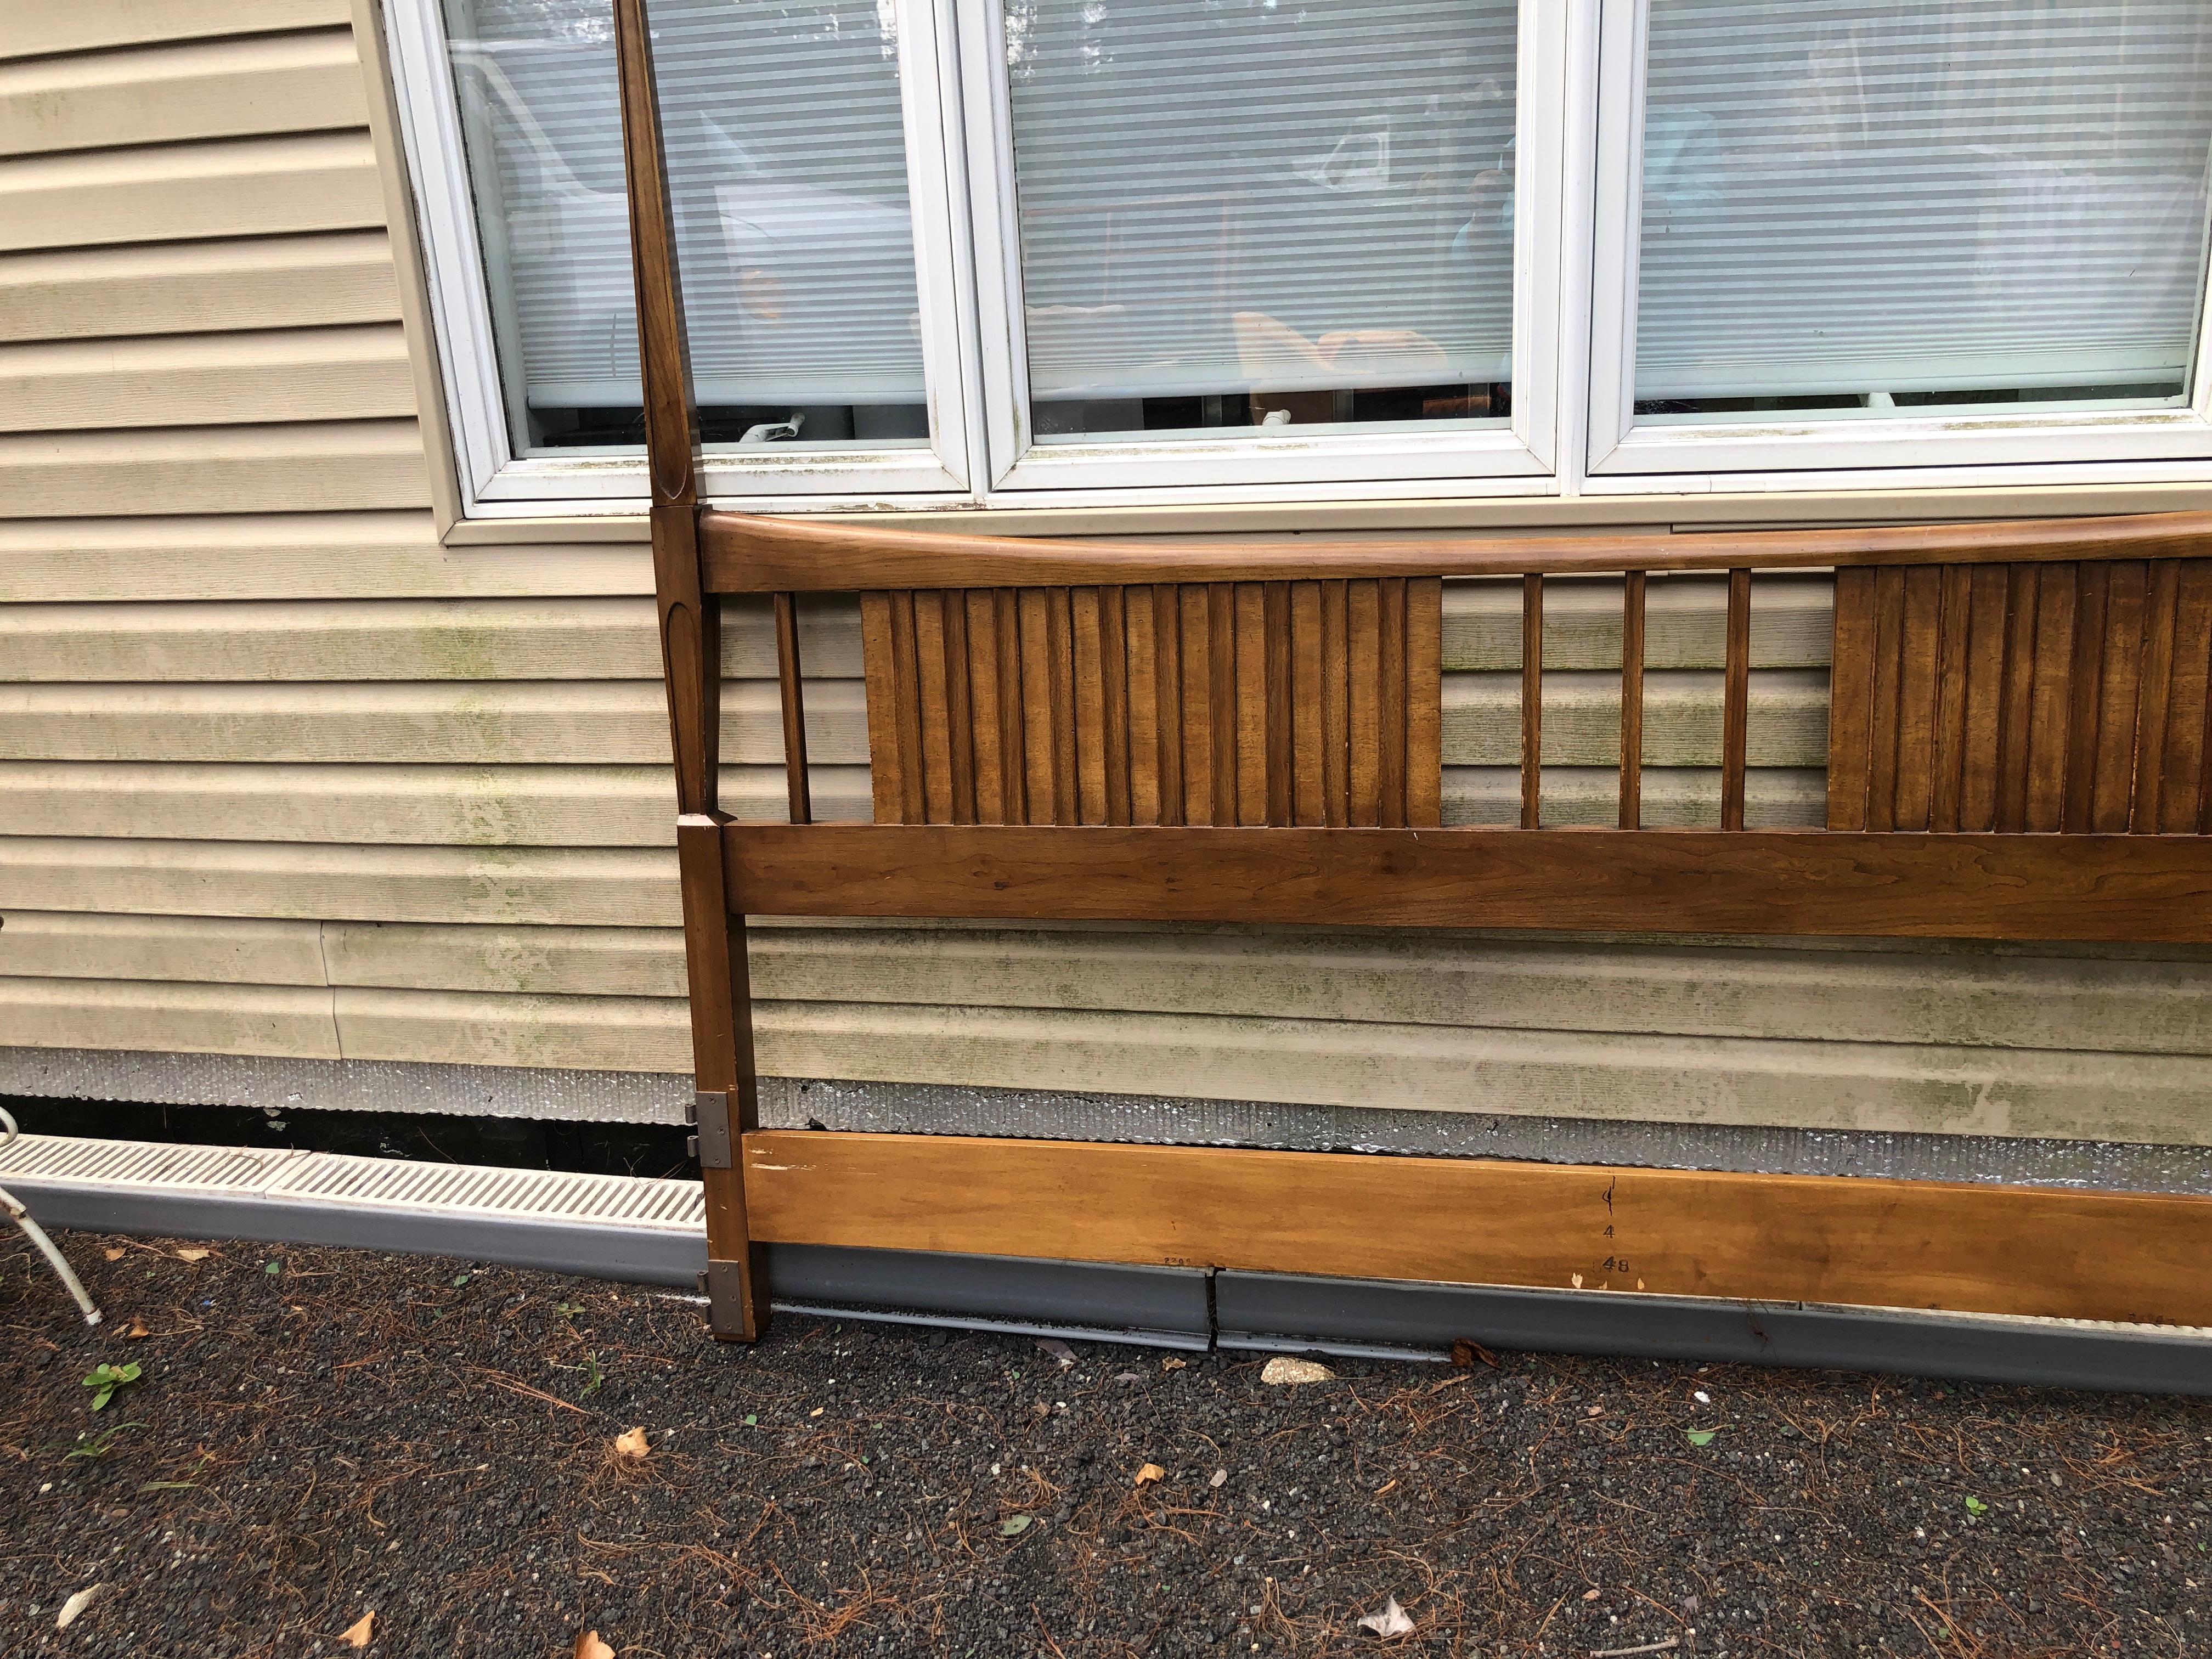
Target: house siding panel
280, 775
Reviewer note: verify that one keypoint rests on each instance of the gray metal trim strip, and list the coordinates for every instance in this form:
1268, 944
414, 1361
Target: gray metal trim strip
1189, 1308
1285, 1311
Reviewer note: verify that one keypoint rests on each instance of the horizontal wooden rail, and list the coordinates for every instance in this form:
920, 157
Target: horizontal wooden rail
2155, 888
1754, 1237
743, 553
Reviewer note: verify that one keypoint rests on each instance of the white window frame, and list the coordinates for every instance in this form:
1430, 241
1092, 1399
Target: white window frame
1772, 452
1521, 458
497, 482
1579, 125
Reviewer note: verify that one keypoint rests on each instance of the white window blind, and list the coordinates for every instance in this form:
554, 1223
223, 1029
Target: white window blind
787, 164
1922, 203
1242, 196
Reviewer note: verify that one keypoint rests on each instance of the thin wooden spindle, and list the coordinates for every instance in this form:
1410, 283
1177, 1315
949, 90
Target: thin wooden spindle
1735, 719
1631, 701
791, 684
1532, 700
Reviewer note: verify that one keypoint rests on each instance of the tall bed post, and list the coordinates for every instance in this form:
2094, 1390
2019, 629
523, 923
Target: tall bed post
690, 646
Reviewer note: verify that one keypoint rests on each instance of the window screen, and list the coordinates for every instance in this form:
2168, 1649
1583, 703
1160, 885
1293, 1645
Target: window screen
1247, 213
787, 171
1868, 209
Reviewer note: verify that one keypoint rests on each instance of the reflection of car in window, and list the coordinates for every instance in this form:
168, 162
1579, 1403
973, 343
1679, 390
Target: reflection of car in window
796, 294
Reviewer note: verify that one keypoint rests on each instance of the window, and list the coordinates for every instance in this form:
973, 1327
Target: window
1038, 251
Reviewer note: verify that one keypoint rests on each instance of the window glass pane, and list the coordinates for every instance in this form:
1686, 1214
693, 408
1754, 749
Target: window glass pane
787, 168
1856, 210
1246, 213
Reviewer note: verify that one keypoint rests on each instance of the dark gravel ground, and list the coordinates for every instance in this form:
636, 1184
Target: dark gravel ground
319, 1434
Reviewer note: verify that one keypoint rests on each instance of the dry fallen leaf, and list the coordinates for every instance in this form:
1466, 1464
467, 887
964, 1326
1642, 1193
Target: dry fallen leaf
1466, 1354
1284, 1369
113, 1256
76, 1605
1058, 1349
361, 1633
194, 1253
633, 1444
1590, 1595
136, 1328
1173, 1365
1391, 1621
588, 1646
1149, 1474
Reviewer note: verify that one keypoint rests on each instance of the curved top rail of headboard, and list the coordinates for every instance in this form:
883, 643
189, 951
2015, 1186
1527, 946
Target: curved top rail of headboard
744, 553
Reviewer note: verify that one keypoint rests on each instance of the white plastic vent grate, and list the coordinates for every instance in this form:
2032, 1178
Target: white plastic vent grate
389, 1184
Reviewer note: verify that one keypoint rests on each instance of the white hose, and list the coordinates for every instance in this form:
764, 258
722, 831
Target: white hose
37, 1234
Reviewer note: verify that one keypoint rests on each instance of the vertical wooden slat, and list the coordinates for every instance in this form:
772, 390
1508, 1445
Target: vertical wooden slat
2048, 702
1390, 689
959, 716
2016, 703
1167, 662
1199, 759
1037, 683
2112, 778
2161, 610
1282, 737
2189, 704
933, 689
791, 691
1335, 703
1532, 701
1424, 704
2085, 694
1954, 622
1089, 687
1013, 731
1850, 698
1221, 654
1363, 647
1308, 722
1114, 689
1916, 694
988, 739
1249, 626
1986, 620
906, 672
1735, 700
1060, 647
1144, 703
1888, 678
880, 677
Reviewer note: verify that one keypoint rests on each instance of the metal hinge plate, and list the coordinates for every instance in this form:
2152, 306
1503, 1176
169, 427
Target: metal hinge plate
710, 1110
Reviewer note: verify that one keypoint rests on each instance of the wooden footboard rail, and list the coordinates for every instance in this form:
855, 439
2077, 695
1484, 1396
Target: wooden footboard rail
1251, 731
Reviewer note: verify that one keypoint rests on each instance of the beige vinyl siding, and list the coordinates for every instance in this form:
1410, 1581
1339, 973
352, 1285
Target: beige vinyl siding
282, 774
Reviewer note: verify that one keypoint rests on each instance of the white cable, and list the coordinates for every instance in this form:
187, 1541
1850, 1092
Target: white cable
37, 1234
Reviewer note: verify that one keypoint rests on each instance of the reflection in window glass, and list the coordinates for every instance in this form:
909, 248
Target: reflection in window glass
1856, 208
1257, 213
787, 169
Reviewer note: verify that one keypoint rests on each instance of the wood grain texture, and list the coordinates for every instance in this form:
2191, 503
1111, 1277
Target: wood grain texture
1309, 736
1113, 692
932, 698
1250, 715
1389, 671
2188, 706
1955, 619
1736, 700
1198, 644
2161, 619
2113, 780
1336, 702
749, 553
1090, 689
2015, 715
1222, 699
1140, 640
2049, 701
1983, 711
1363, 645
792, 695
2150, 889
1850, 700
1532, 700
1918, 644
1888, 681
1966, 1247
1424, 724
2085, 702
